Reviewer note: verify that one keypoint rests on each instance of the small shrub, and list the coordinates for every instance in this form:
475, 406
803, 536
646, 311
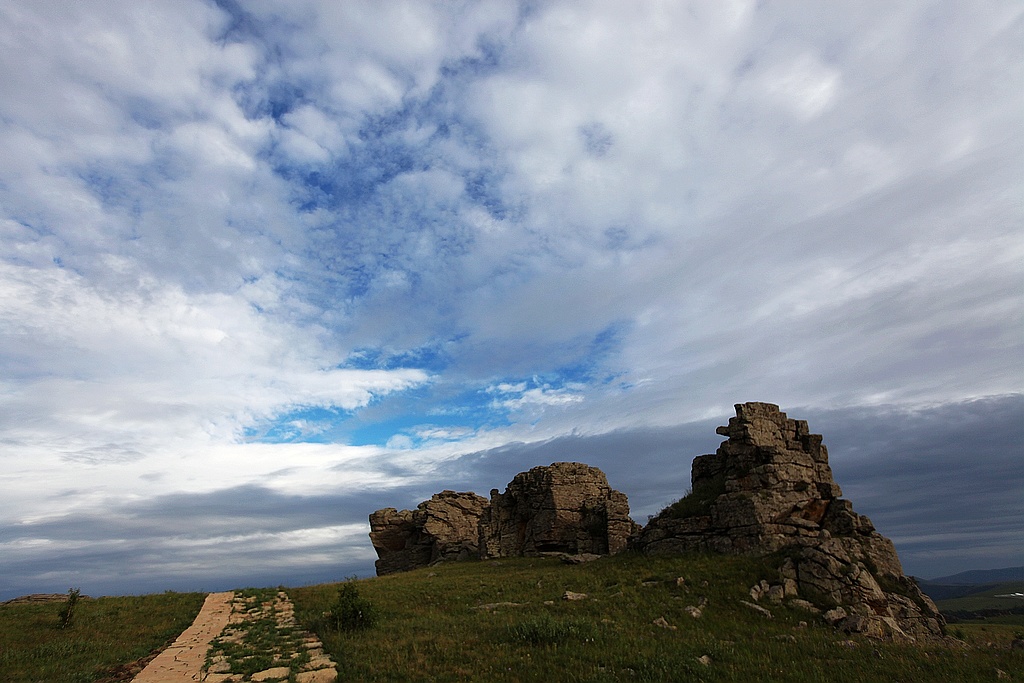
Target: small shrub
350, 611
67, 612
697, 501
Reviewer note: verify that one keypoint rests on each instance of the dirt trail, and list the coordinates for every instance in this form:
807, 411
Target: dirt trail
183, 660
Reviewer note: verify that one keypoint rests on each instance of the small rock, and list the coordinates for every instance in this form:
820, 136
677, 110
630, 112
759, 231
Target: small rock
834, 616
267, 674
569, 595
847, 643
580, 558
549, 602
785, 636
757, 608
776, 594
804, 605
318, 676
220, 667
1002, 675
705, 660
680, 581
693, 611
648, 584
661, 623
491, 606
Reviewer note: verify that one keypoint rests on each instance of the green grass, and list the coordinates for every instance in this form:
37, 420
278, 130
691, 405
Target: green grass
105, 635
428, 629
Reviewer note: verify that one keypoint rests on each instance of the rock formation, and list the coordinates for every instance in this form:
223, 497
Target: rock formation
769, 488
564, 508
446, 527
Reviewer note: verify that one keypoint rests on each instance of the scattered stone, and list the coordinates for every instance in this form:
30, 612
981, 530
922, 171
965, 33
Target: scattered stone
580, 558
785, 636
497, 605
569, 595
660, 622
804, 605
834, 616
680, 581
318, 676
757, 608
220, 665
705, 660
693, 611
268, 674
648, 584
1001, 675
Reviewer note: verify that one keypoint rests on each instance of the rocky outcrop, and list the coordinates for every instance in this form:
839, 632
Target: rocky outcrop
564, 508
446, 527
769, 488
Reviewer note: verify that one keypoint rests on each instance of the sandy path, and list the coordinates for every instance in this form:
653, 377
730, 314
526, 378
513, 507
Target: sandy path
183, 660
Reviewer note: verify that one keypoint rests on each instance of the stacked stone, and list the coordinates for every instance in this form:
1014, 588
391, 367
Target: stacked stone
294, 643
444, 528
564, 508
770, 487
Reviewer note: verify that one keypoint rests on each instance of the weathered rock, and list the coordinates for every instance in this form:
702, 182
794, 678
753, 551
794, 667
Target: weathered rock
565, 508
446, 527
769, 487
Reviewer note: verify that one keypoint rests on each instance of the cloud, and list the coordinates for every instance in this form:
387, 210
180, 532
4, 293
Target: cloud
253, 244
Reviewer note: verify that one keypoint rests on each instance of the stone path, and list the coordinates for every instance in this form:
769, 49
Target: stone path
184, 659
229, 618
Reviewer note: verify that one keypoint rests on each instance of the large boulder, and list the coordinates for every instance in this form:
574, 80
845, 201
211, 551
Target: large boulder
567, 507
769, 488
446, 527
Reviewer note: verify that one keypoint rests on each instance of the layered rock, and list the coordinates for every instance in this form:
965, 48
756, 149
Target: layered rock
564, 508
446, 527
768, 488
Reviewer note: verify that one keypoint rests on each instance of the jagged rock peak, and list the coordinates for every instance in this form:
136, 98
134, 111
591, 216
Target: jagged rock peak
769, 487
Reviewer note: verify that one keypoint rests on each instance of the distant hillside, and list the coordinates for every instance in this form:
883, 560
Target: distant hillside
980, 576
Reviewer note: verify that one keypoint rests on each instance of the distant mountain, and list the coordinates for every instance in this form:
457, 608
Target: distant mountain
979, 576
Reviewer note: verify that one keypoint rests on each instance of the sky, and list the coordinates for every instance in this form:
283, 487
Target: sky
267, 266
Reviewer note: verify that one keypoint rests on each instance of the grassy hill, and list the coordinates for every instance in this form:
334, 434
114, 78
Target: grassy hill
506, 620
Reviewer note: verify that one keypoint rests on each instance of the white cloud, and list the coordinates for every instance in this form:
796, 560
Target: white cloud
651, 212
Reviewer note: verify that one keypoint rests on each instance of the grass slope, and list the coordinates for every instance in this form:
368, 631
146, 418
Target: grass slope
431, 627
106, 636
